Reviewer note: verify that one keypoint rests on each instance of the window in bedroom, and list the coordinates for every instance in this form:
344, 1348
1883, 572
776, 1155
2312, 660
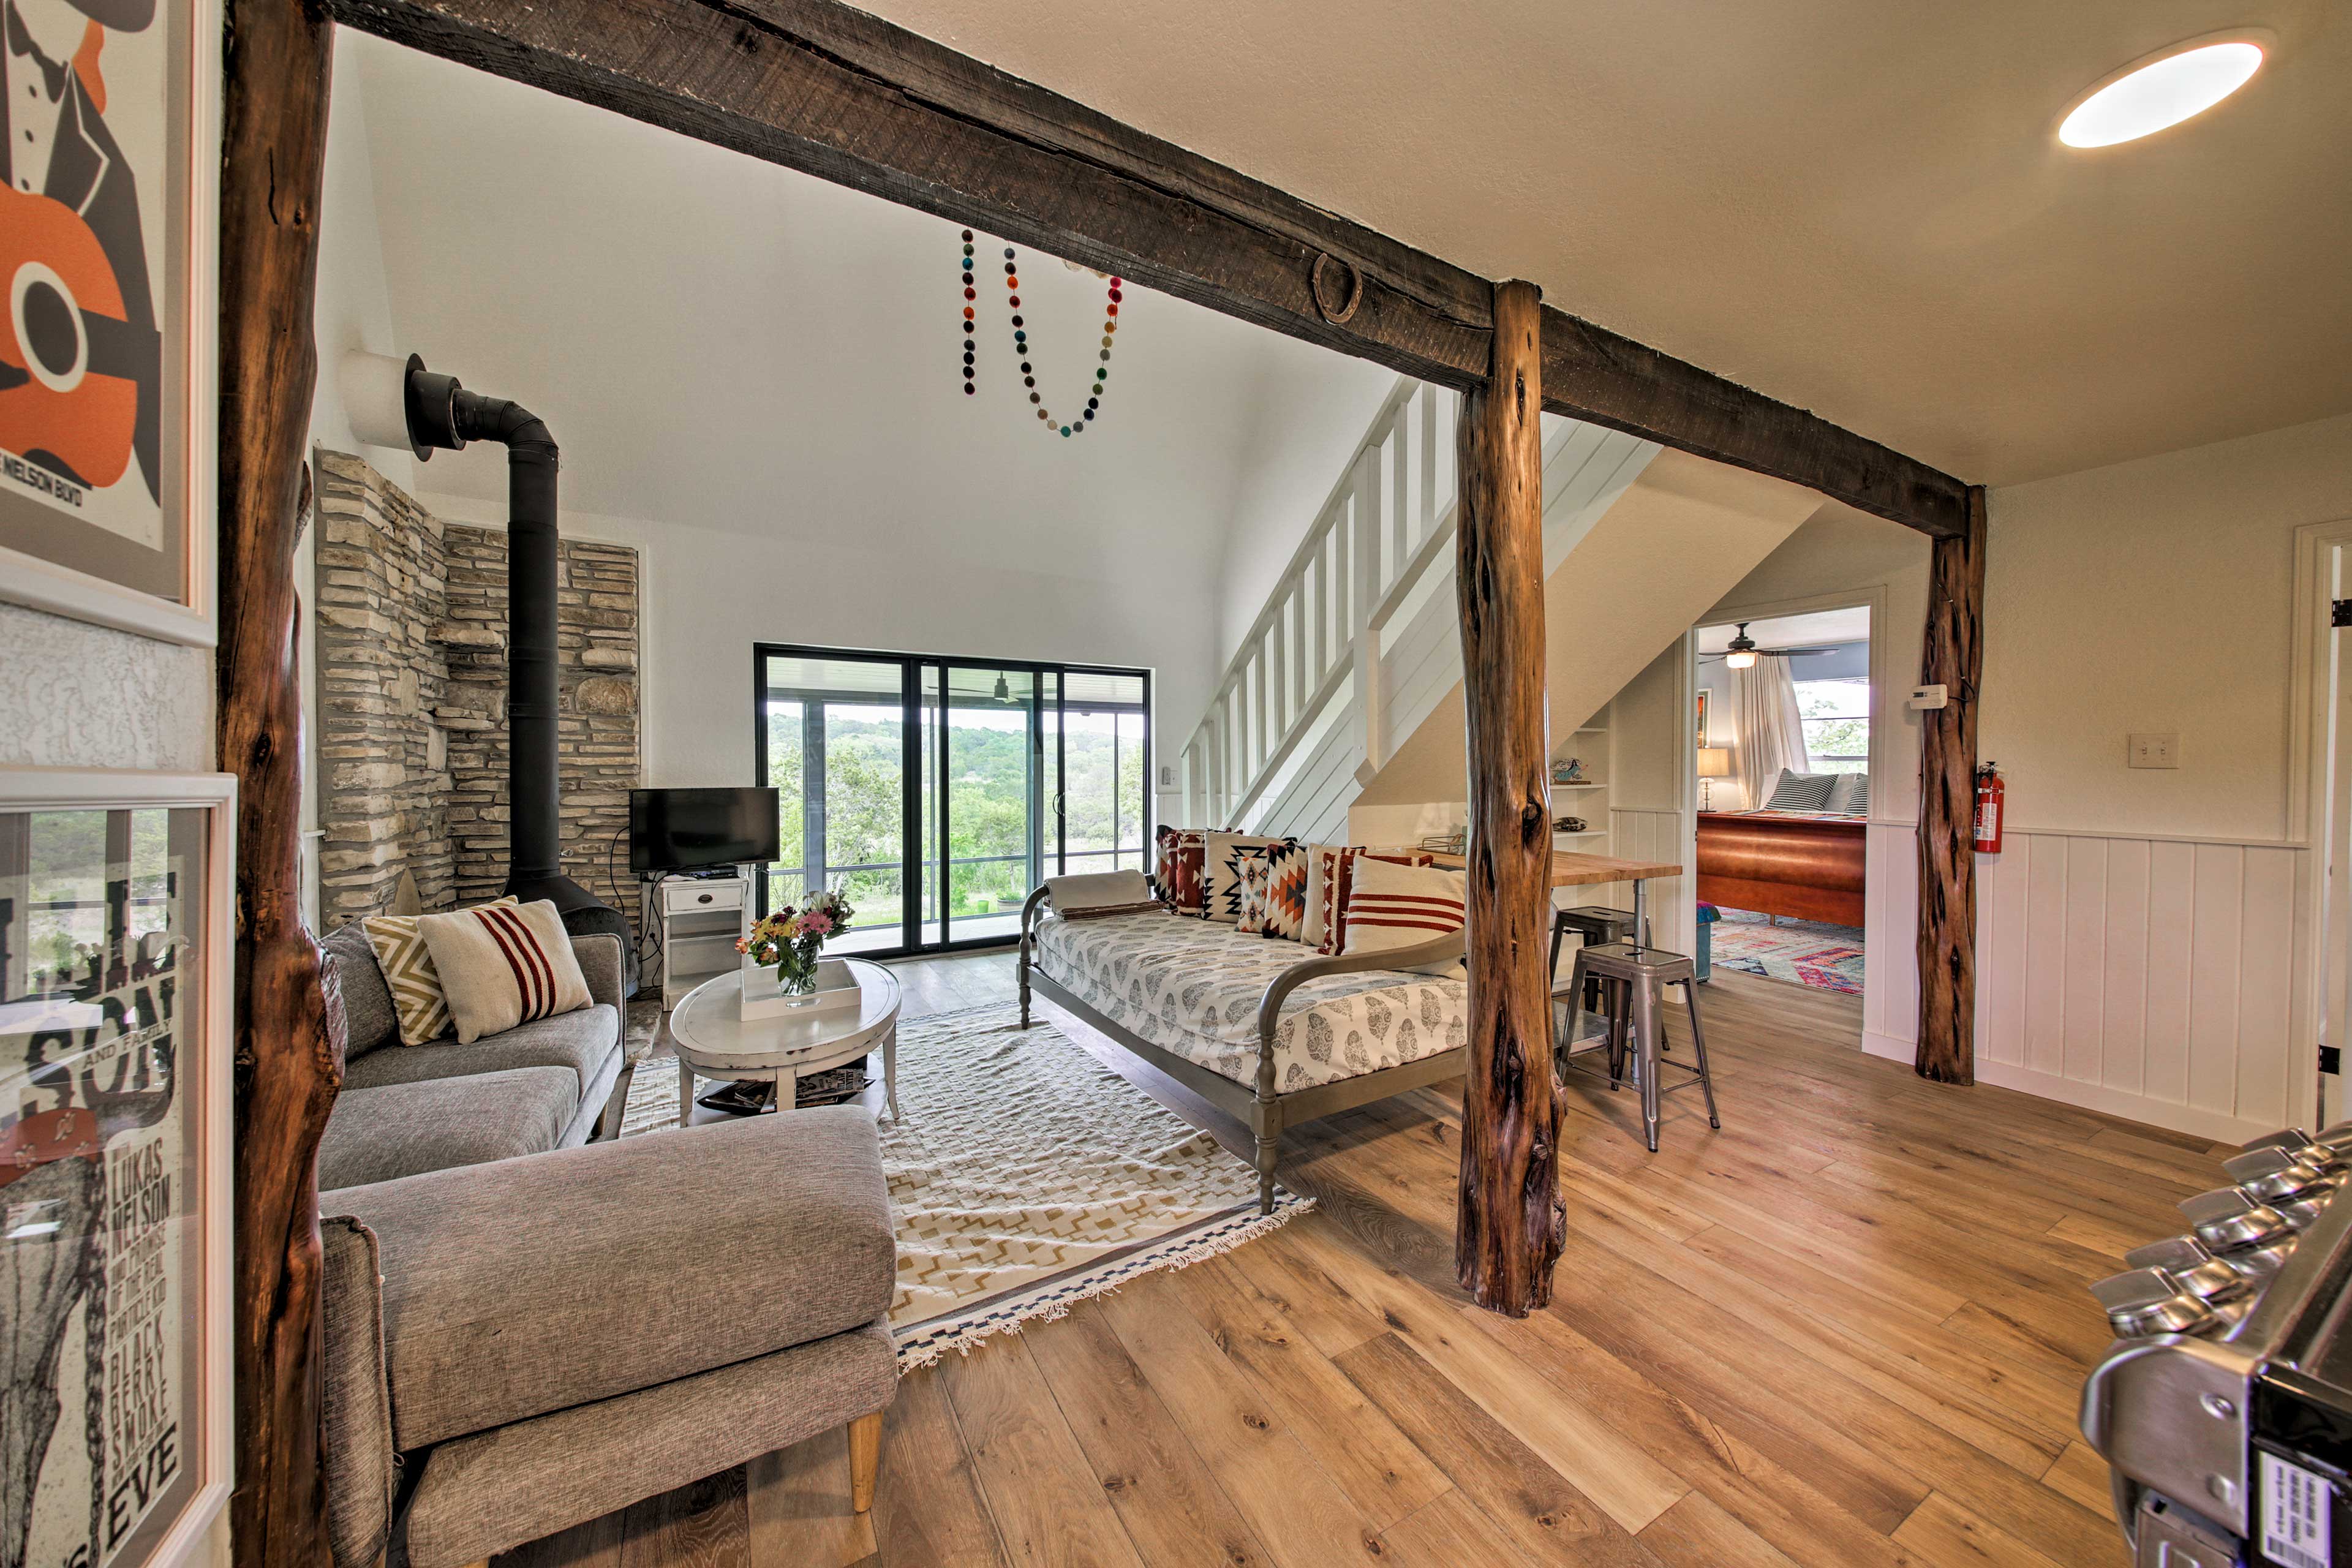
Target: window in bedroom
1836, 716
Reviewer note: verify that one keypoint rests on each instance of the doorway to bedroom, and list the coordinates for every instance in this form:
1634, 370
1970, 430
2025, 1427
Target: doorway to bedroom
936, 792
1784, 751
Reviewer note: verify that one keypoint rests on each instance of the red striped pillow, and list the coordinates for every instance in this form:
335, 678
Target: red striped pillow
1332, 877
503, 964
1391, 906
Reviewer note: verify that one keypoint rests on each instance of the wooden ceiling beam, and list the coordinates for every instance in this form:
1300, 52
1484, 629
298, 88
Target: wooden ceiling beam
820, 87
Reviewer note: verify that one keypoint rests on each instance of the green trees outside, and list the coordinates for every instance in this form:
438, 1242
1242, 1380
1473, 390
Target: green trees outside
988, 765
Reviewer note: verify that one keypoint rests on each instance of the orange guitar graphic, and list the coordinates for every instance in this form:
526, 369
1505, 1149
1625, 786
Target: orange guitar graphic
73, 366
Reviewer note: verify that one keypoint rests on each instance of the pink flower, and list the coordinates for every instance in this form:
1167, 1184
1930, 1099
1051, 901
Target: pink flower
815, 923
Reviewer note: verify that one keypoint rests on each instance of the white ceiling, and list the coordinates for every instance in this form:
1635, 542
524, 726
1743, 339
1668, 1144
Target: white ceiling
720, 342
1821, 628
1856, 207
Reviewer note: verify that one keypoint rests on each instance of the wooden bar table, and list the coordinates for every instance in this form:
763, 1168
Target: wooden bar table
1569, 869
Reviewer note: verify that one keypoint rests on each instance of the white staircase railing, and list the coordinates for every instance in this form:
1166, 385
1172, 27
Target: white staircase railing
1387, 521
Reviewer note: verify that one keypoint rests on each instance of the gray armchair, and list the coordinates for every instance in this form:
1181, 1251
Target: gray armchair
543, 1341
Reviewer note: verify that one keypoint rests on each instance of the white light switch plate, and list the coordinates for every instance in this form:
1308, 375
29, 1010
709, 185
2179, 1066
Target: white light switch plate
1166, 776
2153, 750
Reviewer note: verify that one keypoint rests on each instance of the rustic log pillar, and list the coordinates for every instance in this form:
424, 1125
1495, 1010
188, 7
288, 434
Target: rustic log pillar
1954, 659
273, 130
1509, 1232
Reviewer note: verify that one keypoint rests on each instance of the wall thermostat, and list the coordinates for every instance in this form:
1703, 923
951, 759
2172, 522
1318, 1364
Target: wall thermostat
1925, 697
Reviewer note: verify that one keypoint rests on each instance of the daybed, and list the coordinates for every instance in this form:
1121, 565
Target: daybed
1245, 1022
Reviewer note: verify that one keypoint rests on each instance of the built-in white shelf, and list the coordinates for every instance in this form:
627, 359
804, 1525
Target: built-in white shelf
1591, 729
1588, 833
1583, 783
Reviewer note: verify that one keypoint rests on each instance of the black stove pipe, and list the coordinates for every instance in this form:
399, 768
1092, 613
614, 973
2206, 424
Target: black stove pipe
441, 412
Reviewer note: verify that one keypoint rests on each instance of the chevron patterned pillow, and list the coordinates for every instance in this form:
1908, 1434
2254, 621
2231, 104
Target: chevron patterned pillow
416, 985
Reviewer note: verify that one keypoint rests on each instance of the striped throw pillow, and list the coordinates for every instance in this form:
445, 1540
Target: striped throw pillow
1329, 881
408, 972
1391, 906
504, 965
1802, 791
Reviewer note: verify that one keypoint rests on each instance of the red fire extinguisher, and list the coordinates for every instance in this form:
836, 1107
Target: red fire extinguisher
1990, 794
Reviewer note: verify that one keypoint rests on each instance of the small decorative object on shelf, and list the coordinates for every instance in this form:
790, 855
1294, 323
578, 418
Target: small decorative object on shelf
1568, 824
1021, 345
1568, 770
789, 943
1452, 843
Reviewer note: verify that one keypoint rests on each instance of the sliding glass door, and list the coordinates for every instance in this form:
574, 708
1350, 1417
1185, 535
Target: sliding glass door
938, 792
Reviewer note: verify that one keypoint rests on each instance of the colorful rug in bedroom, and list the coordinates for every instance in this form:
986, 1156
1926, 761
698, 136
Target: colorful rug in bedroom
1025, 1177
1803, 953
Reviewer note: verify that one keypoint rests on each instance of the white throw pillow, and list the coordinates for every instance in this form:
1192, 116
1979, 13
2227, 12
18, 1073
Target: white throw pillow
1391, 906
502, 965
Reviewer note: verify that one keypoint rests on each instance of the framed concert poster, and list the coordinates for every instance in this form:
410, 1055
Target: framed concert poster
116, 937
110, 153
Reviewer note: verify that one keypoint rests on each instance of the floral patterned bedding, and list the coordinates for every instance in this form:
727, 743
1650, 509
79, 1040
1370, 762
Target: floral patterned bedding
1191, 987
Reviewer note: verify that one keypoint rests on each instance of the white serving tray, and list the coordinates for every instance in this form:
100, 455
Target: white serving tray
836, 989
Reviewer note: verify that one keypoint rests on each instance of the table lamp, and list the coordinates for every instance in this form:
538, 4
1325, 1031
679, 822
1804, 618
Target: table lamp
1714, 763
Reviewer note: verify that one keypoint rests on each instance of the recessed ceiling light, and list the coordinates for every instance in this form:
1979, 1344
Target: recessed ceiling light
2164, 90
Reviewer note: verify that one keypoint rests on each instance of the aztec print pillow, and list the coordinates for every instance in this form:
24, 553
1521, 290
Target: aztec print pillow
1286, 893
1336, 871
409, 975
1224, 899
1394, 906
503, 965
1177, 872
1252, 873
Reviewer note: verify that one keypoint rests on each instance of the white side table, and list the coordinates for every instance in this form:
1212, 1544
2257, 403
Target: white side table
714, 1039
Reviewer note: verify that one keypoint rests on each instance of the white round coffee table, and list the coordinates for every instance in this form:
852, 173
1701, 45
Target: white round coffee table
714, 1039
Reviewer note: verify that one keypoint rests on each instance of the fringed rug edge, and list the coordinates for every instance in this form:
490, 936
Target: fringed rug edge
925, 1344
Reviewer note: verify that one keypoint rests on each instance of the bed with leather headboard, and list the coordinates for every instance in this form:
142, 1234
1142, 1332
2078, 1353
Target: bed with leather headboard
1802, 855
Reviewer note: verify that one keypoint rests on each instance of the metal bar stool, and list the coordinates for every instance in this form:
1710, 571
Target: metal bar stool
1633, 980
1595, 923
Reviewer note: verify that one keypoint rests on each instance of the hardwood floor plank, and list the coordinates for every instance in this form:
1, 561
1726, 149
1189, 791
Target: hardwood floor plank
2079, 1473
1576, 1439
1295, 1509
1698, 1533
1358, 1445
1950, 1536
927, 1506
698, 1526
594, 1544
798, 1509
1049, 1509
1175, 1513
1449, 1532
1548, 1520
1333, 1321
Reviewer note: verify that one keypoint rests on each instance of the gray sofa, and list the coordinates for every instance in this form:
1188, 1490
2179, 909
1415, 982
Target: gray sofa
520, 1335
405, 1109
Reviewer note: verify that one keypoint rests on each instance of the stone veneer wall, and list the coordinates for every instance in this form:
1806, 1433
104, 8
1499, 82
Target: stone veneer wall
596, 732
381, 577
411, 675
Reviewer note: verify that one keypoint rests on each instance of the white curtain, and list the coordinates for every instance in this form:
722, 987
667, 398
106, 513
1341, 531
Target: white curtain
1772, 732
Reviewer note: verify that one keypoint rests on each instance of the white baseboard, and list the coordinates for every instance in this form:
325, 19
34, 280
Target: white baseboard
2140, 1107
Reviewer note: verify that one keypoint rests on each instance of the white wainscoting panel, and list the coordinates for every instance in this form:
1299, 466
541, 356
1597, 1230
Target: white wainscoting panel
2152, 978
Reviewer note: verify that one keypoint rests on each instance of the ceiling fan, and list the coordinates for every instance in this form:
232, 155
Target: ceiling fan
1743, 652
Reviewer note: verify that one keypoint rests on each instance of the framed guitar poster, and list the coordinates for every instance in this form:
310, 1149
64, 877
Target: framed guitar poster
110, 153
116, 940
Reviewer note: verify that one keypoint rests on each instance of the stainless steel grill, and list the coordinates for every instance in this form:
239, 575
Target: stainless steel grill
2225, 1405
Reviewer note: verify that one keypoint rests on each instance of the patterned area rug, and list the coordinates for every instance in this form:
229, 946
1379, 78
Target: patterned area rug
1024, 1175
1807, 953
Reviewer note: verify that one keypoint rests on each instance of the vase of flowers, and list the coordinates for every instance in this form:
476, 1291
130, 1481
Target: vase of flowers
791, 941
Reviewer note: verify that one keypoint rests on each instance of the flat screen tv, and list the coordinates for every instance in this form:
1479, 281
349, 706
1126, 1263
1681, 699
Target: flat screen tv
684, 829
